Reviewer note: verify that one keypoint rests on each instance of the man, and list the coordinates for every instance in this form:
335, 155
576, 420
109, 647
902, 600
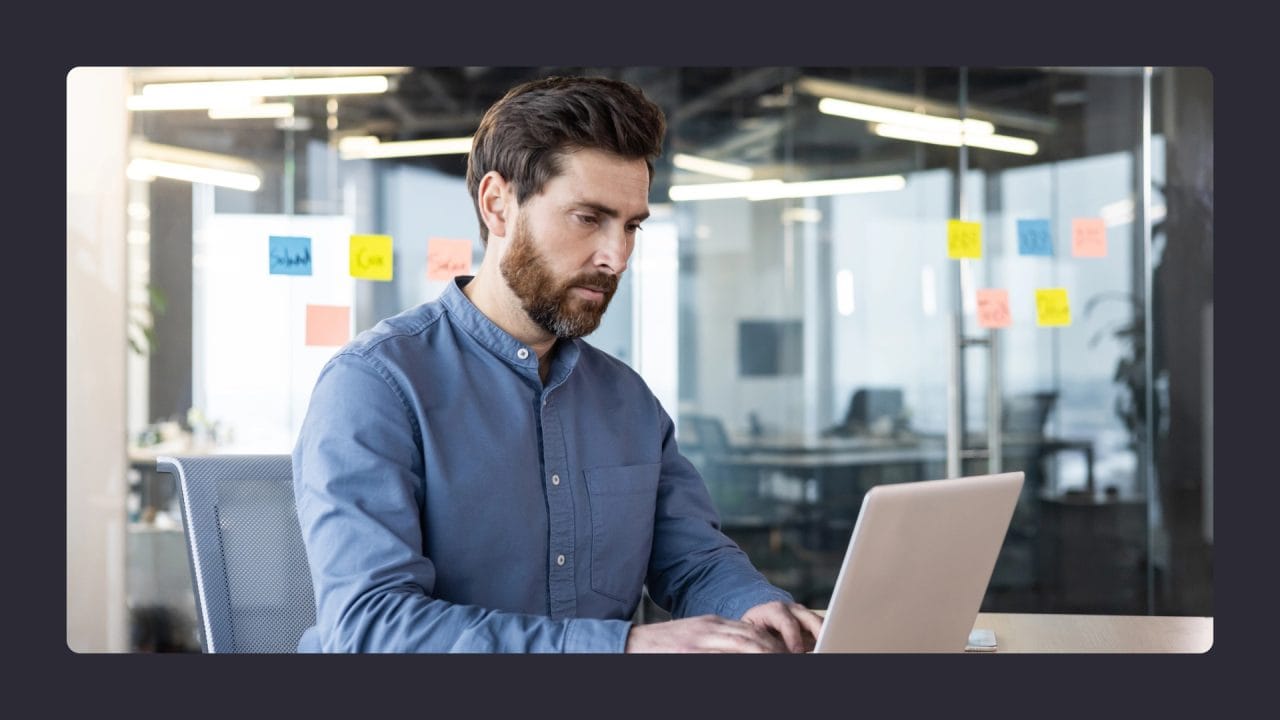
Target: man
472, 477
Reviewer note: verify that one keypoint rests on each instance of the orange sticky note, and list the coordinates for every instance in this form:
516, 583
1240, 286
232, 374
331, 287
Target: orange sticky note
1088, 237
328, 325
964, 239
993, 308
1052, 308
371, 257
447, 258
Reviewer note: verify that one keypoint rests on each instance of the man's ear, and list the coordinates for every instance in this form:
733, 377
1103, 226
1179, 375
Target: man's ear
496, 201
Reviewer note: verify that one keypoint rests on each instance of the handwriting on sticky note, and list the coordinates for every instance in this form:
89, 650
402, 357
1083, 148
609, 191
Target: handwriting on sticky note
371, 257
447, 258
993, 308
1052, 308
964, 239
328, 325
289, 255
1088, 237
1034, 237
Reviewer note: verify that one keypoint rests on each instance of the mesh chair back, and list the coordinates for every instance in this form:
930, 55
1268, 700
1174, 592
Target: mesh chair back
248, 564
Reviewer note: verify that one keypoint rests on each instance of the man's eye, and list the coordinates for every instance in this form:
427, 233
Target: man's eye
633, 228
588, 219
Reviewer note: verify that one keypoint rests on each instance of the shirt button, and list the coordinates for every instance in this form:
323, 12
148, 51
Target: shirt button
555, 479
522, 353
559, 559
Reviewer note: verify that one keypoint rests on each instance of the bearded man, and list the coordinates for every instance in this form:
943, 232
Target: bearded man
472, 477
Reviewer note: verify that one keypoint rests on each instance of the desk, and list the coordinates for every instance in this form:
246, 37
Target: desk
1055, 633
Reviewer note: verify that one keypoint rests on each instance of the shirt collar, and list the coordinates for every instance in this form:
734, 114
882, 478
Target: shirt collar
499, 341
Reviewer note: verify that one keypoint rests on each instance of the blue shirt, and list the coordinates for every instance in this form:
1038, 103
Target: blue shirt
450, 502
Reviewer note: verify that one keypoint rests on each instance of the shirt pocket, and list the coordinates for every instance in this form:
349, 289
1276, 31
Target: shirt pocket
623, 500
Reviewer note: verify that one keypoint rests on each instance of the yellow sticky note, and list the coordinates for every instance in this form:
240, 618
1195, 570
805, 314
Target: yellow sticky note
964, 239
371, 257
447, 258
1052, 307
1088, 237
993, 308
328, 325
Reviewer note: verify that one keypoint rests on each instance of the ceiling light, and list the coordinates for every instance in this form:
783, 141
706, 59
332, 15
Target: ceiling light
694, 163
876, 113
145, 169
216, 91
717, 191
366, 147
844, 186
1003, 143
776, 189
151, 160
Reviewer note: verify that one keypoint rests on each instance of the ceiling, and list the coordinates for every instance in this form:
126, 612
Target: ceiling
766, 117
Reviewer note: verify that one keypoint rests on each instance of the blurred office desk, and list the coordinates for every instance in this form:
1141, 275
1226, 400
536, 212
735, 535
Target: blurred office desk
1054, 633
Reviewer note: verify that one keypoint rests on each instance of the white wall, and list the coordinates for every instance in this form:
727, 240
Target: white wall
97, 128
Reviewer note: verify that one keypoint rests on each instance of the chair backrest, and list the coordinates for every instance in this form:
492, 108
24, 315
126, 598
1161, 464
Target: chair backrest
868, 405
248, 564
1028, 413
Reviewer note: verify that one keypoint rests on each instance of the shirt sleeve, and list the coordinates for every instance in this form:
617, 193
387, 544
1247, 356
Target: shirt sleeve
695, 569
358, 479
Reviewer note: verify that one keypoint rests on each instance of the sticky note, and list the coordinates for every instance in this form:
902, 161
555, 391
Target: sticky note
1088, 237
1034, 238
447, 258
1052, 307
371, 257
328, 325
289, 255
993, 308
964, 239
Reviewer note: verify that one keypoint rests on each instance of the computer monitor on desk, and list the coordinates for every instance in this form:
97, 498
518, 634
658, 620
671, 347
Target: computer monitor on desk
872, 411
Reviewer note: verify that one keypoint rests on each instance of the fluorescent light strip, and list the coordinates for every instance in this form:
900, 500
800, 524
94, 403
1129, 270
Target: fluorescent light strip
718, 191
366, 148
776, 189
139, 148
146, 169
1003, 143
844, 292
259, 110
920, 121
218, 90
694, 163
846, 186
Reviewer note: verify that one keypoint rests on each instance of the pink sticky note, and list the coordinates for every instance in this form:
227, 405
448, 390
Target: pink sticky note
447, 258
328, 325
993, 308
1088, 237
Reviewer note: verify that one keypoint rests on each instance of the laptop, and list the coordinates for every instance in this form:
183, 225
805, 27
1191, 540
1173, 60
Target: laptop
918, 565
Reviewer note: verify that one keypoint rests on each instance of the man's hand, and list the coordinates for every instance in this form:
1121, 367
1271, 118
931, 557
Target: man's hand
706, 633
796, 624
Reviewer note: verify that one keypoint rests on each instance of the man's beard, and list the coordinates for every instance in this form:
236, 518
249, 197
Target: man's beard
548, 303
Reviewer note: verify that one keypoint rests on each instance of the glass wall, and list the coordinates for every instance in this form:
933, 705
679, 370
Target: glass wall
852, 276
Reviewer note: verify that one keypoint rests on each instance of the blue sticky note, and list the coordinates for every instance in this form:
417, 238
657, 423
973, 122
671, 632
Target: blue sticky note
290, 255
1034, 238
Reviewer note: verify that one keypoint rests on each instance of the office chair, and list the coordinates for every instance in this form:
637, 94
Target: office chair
248, 564
869, 408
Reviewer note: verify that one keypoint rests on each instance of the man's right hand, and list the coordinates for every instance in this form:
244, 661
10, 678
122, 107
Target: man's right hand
706, 633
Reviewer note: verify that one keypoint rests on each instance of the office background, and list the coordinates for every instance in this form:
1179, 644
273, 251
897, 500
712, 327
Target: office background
812, 337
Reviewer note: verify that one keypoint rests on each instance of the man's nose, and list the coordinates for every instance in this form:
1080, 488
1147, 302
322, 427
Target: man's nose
614, 250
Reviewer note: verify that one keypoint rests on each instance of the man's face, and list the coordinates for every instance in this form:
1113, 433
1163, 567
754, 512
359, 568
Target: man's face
571, 242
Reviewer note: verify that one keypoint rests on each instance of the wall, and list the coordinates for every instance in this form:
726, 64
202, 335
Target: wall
97, 126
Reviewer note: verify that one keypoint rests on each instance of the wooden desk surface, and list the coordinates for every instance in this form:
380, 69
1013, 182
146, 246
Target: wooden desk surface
1062, 633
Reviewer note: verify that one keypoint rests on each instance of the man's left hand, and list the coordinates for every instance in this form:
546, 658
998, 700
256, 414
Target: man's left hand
796, 624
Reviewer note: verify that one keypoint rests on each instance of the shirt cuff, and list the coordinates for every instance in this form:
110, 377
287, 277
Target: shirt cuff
735, 607
587, 635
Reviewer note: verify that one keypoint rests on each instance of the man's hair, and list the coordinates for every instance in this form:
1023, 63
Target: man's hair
525, 135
